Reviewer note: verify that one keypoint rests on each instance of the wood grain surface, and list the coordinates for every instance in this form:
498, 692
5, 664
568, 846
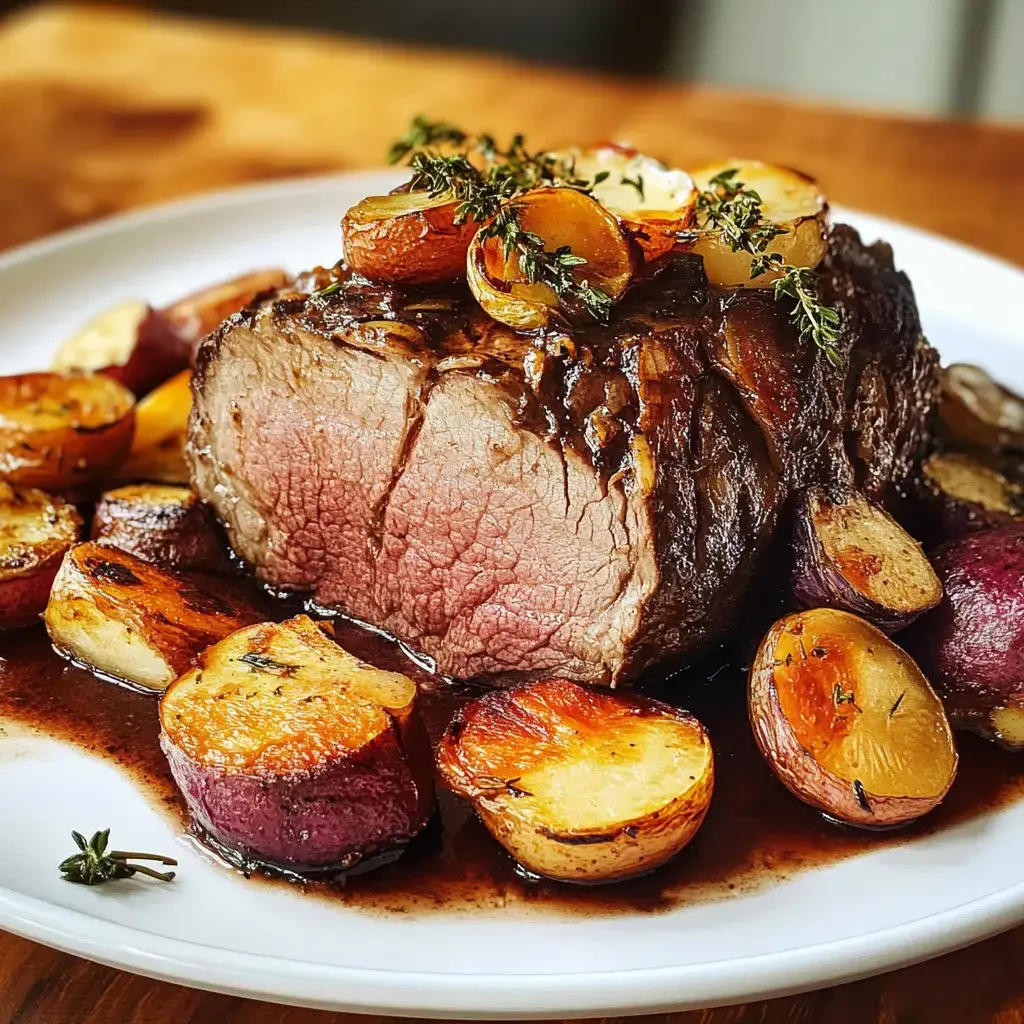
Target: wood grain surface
104, 109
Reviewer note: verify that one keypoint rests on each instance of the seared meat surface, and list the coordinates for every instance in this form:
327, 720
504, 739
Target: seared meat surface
576, 504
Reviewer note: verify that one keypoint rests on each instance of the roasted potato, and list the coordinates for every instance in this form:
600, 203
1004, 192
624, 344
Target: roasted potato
293, 753
131, 342
561, 217
161, 433
168, 526
972, 645
194, 316
652, 203
789, 200
977, 412
407, 238
847, 721
580, 784
962, 494
35, 532
853, 555
59, 433
131, 622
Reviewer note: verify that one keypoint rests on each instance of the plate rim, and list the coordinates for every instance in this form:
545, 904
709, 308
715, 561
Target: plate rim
495, 996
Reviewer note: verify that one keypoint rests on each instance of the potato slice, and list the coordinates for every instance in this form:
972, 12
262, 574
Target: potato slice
964, 495
561, 217
978, 412
194, 316
580, 784
972, 645
131, 342
407, 238
847, 722
853, 555
131, 622
293, 753
166, 525
35, 532
161, 433
789, 200
652, 203
57, 432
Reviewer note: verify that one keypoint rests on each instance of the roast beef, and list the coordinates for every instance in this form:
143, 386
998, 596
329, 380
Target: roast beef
575, 503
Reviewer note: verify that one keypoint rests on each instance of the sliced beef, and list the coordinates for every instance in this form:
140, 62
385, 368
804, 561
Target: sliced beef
579, 504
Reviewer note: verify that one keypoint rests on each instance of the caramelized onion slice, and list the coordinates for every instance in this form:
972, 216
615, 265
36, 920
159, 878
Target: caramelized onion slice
560, 217
789, 200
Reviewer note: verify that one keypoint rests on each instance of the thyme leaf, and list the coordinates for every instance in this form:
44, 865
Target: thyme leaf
93, 865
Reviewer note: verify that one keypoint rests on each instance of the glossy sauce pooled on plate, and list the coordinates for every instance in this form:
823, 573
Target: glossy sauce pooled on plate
755, 832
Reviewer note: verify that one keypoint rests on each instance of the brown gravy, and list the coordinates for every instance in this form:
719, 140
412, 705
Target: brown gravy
755, 832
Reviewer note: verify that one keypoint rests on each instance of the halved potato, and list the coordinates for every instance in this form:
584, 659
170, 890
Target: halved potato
652, 203
166, 525
853, 555
560, 217
131, 622
35, 532
580, 784
161, 432
291, 751
964, 495
789, 200
847, 722
194, 316
407, 238
58, 432
131, 342
978, 412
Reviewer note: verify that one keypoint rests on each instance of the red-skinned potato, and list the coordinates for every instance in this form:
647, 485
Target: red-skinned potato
962, 494
579, 784
291, 753
194, 316
167, 525
58, 433
847, 721
972, 645
978, 412
407, 238
35, 532
130, 342
853, 555
129, 621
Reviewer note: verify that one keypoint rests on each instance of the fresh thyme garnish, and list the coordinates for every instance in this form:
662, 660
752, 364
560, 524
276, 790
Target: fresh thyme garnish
94, 866
734, 211
637, 183
488, 197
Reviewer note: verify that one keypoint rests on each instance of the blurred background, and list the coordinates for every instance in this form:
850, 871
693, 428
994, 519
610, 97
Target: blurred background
929, 57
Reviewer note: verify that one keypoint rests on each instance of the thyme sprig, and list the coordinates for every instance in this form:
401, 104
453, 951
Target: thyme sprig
93, 865
734, 211
487, 195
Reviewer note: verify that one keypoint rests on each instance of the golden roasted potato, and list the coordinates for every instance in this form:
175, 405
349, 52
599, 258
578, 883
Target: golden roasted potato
561, 217
131, 342
789, 200
291, 751
194, 316
847, 722
580, 784
35, 532
129, 621
58, 432
161, 432
978, 412
652, 203
163, 524
407, 238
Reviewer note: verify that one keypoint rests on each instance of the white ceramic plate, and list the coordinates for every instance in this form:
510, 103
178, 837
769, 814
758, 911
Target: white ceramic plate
212, 929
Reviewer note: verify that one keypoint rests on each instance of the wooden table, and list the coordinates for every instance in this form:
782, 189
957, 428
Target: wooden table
101, 110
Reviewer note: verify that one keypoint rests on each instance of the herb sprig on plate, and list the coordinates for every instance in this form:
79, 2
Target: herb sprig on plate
93, 865
486, 194
734, 211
